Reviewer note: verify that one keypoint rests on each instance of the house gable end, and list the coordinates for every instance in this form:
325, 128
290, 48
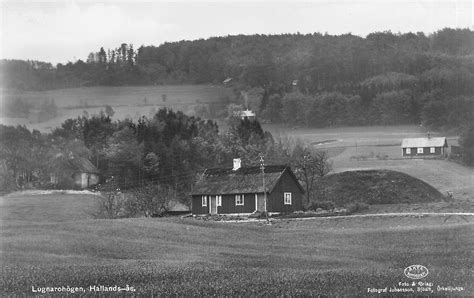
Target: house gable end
292, 175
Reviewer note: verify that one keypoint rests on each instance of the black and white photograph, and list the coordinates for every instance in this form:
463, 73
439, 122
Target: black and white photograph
237, 148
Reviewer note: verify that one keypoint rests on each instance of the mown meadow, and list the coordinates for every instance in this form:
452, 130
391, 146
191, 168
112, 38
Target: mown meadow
53, 240
130, 102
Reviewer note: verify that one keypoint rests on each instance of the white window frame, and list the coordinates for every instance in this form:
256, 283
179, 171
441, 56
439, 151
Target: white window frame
219, 201
204, 201
419, 150
432, 150
408, 151
239, 200
287, 198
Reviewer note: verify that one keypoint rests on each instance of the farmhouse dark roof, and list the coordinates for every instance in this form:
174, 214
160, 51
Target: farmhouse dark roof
222, 181
83, 165
424, 142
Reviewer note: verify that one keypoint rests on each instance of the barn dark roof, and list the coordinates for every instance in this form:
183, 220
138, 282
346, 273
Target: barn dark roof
221, 181
83, 165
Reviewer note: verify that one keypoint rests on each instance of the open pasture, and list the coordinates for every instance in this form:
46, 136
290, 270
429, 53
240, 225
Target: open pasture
125, 95
127, 101
350, 136
333, 256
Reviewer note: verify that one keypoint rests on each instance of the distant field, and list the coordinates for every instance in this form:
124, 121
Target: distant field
339, 256
127, 102
356, 137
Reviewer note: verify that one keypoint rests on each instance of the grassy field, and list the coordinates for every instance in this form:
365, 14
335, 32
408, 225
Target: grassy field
52, 240
127, 102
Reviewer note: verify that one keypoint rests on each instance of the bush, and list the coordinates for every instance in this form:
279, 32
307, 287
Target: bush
258, 214
115, 204
356, 207
66, 182
325, 205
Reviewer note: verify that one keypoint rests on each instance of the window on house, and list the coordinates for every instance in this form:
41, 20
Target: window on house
419, 150
287, 198
219, 200
239, 200
432, 150
408, 151
204, 201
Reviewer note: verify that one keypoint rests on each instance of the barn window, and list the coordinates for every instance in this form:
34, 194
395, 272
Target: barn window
204, 201
432, 150
408, 151
419, 150
287, 198
239, 200
219, 200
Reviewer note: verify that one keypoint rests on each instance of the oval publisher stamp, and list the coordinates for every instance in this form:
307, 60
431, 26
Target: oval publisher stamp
416, 271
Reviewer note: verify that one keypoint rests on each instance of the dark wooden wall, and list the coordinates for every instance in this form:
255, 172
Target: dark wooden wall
276, 200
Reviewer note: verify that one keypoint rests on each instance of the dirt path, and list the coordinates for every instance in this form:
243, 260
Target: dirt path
463, 215
413, 214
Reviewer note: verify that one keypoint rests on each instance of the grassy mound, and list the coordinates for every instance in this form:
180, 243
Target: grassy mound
375, 187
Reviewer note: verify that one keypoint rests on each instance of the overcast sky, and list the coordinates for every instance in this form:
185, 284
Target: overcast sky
62, 31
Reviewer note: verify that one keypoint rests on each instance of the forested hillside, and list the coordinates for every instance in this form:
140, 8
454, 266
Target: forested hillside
313, 80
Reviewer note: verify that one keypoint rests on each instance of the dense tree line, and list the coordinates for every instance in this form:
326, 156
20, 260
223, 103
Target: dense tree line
319, 62
384, 78
330, 109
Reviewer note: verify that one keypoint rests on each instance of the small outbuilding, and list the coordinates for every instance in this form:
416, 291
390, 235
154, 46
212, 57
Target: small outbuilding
69, 171
239, 190
424, 147
85, 173
247, 114
76, 172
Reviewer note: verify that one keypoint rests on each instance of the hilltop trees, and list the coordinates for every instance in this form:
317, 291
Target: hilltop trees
383, 73
319, 62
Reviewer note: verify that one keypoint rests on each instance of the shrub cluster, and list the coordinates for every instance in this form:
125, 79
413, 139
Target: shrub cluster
325, 205
357, 207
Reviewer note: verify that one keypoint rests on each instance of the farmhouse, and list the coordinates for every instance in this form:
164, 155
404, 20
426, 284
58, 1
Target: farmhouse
424, 147
239, 190
83, 173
